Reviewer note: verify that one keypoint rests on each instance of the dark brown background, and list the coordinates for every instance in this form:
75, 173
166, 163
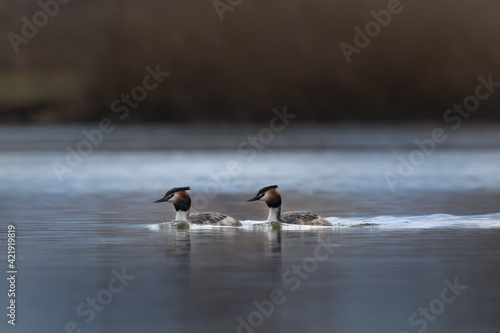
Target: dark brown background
264, 54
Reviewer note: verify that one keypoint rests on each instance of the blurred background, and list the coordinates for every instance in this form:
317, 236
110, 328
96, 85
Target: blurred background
82, 199
263, 54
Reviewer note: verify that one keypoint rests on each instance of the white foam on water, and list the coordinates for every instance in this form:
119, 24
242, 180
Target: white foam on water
247, 225
421, 222
385, 222
166, 225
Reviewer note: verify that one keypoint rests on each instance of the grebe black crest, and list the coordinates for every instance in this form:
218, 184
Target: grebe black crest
182, 204
272, 198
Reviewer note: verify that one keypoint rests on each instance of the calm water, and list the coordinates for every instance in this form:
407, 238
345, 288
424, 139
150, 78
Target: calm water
388, 254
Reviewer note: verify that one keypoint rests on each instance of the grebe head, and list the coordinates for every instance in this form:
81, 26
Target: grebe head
179, 197
269, 195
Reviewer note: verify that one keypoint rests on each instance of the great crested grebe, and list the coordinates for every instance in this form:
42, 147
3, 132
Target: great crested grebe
272, 198
182, 203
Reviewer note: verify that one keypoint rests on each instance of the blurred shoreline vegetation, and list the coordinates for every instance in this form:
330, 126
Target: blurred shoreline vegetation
263, 55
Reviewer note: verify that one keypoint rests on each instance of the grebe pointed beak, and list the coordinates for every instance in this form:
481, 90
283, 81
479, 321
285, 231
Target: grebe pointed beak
161, 200
257, 197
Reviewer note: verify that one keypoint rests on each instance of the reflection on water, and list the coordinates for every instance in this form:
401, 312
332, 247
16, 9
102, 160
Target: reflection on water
228, 270
391, 251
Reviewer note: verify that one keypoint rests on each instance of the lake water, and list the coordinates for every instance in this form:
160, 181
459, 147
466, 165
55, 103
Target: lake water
91, 256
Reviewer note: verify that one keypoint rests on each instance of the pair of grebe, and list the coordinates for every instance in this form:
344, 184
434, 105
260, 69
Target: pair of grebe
182, 204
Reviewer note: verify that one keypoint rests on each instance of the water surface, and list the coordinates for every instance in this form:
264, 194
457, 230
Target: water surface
392, 250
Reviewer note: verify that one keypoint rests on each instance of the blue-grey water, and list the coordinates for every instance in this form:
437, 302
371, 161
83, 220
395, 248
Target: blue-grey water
383, 267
